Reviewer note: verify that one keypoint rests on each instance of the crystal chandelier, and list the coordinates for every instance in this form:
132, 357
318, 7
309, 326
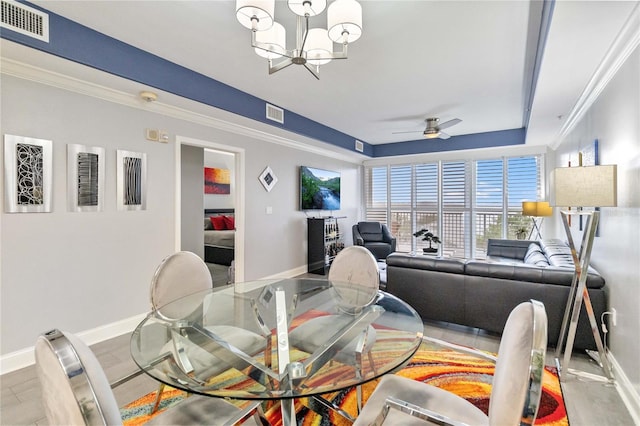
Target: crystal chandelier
314, 46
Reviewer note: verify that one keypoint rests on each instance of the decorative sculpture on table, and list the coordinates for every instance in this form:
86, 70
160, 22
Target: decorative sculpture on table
430, 237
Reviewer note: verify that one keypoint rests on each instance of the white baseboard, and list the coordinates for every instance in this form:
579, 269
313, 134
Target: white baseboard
25, 357
625, 388
288, 274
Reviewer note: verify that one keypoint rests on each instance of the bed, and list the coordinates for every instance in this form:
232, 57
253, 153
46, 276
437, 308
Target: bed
219, 244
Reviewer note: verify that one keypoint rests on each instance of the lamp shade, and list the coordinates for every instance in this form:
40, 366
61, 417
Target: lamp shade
255, 14
536, 208
344, 21
311, 7
274, 39
590, 186
318, 45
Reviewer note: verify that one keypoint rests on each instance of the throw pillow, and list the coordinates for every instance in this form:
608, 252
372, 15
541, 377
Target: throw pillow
207, 224
218, 223
535, 256
229, 222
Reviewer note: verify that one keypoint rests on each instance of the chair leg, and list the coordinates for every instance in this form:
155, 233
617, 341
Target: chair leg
156, 404
359, 399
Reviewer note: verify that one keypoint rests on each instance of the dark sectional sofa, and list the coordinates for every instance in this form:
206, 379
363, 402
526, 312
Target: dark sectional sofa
482, 293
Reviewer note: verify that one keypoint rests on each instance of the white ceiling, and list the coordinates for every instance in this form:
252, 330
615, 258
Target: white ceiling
450, 59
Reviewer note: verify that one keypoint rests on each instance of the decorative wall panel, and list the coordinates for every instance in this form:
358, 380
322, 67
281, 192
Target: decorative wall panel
85, 178
131, 190
28, 174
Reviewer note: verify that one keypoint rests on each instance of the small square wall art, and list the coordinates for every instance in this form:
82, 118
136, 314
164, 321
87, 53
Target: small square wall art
28, 174
217, 181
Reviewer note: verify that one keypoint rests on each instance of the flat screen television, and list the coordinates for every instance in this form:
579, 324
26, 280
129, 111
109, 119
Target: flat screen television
319, 189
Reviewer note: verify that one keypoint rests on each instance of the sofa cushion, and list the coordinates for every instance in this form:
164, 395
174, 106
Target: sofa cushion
428, 263
535, 256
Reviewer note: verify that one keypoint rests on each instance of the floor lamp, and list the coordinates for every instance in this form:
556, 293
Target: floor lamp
579, 187
536, 209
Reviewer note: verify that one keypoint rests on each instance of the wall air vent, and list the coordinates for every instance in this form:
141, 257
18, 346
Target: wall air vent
25, 20
274, 113
359, 146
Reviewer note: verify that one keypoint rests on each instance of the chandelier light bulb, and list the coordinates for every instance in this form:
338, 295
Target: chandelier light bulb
344, 21
318, 46
307, 7
275, 39
256, 15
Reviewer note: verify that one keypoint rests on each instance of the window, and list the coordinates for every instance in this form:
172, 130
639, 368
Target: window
463, 202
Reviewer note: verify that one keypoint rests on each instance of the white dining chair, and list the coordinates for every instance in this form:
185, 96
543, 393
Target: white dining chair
353, 270
75, 391
184, 273
516, 388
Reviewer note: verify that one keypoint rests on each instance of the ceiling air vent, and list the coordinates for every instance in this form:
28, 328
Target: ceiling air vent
25, 20
359, 146
276, 114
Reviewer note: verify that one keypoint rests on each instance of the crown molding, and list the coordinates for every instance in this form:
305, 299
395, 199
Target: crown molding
72, 84
623, 46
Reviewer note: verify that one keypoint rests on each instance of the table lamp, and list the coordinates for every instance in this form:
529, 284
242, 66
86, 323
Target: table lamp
592, 186
536, 209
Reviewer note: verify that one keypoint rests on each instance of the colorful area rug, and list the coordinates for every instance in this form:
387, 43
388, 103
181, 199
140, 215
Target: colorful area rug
459, 373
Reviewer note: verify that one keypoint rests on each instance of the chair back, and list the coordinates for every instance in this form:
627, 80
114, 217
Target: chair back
371, 231
355, 266
75, 389
517, 381
180, 274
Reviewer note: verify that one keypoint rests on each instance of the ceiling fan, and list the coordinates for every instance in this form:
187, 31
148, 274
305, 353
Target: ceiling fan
434, 130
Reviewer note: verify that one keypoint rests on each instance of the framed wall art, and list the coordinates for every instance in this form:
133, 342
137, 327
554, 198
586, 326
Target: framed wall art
85, 178
217, 181
131, 185
28, 176
268, 179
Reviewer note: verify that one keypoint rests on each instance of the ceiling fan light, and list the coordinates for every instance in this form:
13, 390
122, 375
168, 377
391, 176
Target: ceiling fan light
344, 20
431, 135
275, 39
318, 45
255, 14
304, 7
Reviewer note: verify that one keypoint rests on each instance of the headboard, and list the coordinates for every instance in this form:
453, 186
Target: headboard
218, 212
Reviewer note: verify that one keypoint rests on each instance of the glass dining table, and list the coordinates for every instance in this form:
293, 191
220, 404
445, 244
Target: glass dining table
318, 336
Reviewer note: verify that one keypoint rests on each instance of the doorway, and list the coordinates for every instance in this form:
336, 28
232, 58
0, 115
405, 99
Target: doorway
190, 205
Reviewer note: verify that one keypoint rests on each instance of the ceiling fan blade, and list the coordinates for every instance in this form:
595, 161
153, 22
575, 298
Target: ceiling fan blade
410, 131
443, 135
449, 123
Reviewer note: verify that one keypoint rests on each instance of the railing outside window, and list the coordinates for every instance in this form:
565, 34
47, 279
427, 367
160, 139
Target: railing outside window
469, 204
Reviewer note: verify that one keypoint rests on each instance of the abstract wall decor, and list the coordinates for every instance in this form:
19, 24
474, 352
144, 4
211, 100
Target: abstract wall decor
131, 188
217, 181
268, 179
85, 178
28, 176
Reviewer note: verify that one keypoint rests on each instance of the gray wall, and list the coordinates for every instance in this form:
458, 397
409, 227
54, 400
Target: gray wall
613, 120
81, 271
191, 201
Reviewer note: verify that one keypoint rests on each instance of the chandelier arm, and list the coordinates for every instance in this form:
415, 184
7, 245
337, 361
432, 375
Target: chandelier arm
279, 66
265, 46
301, 35
312, 71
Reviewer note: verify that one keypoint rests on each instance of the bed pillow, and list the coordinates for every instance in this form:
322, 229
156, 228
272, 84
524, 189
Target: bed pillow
218, 223
207, 224
229, 222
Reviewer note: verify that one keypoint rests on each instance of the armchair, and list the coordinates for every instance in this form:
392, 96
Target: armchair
375, 237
